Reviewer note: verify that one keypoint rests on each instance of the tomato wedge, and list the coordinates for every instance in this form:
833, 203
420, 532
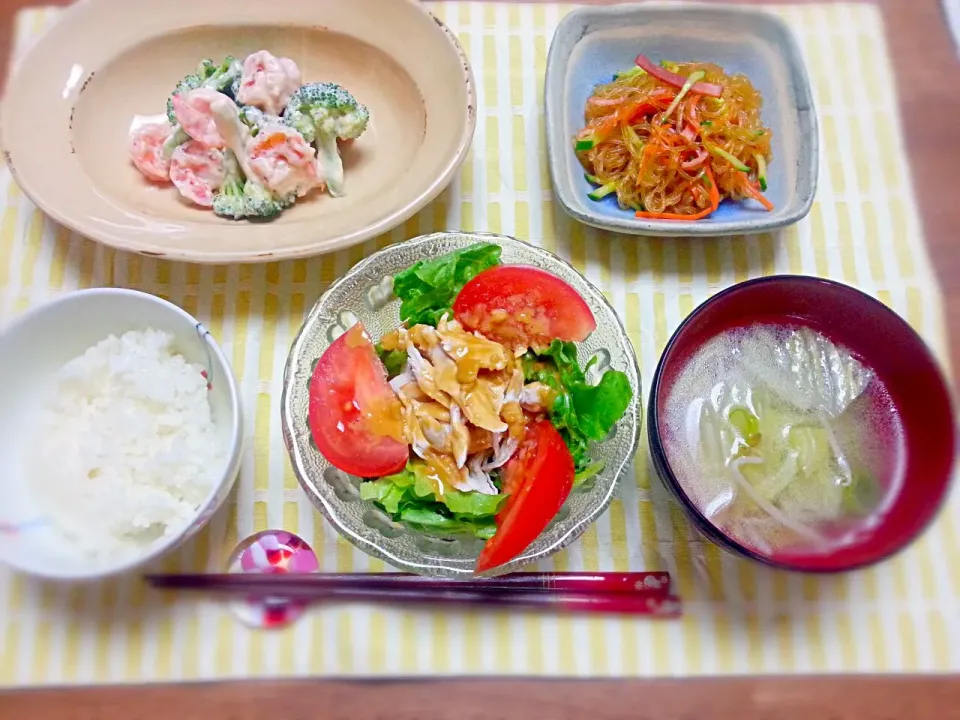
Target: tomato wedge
354, 416
520, 305
538, 480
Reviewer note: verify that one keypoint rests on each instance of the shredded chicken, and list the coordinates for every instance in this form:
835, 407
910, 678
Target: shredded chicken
478, 478
412, 431
403, 379
445, 372
502, 452
472, 353
537, 397
459, 436
482, 402
465, 403
424, 373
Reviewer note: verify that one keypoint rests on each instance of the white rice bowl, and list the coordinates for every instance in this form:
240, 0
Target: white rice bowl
137, 451
112, 447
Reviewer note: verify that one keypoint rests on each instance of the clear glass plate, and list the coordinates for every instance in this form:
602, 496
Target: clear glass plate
364, 294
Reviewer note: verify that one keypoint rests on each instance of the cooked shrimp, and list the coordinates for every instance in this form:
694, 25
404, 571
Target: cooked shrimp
283, 161
197, 171
193, 113
268, 82
146, 149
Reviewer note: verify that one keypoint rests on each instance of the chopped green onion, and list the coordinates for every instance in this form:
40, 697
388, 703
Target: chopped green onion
671, 66
716, 102
603, 191
694, 77
592, 179
721, 153
707, 123
761, 171
631, 73
761, 133
706, 180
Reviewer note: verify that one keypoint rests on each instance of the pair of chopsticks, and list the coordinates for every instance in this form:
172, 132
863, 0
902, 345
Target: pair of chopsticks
644, 593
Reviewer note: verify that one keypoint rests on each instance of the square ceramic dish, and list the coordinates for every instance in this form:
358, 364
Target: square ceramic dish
592, 43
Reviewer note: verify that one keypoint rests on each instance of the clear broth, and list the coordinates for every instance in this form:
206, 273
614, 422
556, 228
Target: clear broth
811, 429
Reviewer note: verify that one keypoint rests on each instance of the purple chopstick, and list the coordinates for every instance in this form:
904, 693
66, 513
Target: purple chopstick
652, 583
404, 589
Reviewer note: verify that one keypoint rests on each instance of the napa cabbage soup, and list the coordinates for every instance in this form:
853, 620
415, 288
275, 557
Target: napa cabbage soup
783, 439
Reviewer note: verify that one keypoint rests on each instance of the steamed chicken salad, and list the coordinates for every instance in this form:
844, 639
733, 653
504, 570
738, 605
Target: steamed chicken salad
473, 416
248, 139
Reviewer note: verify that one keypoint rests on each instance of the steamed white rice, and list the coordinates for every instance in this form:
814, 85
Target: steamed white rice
126, 450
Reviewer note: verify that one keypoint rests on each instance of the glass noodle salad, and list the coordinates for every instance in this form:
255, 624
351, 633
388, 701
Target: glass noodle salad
248, 139
473, 416
674, 140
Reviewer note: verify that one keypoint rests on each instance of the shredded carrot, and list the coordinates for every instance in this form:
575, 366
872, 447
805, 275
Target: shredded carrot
673, 216
626, 113
714, 195
647, 138
648, 150
605, 102
755, 193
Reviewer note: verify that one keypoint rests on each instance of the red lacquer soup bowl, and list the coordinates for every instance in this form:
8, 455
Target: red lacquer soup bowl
901, 363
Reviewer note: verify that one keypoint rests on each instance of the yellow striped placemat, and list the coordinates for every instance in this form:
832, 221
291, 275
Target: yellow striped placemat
864, 229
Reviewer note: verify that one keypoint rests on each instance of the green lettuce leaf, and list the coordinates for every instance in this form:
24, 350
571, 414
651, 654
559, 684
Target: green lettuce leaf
581, 412
599, 407
430, 521
409, 498
473, 504
387, 494
428, 288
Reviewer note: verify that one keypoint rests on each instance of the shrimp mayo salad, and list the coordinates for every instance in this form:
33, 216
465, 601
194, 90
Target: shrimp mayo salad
247, 139
473, 416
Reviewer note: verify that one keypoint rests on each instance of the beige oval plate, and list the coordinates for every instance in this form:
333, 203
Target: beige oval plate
67, 111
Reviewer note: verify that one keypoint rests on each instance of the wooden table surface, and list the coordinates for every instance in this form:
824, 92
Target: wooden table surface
924, 58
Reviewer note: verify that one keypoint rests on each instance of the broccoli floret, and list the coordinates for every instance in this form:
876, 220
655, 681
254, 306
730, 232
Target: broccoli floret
260, 203
229, 201
324, 113
240, 198
215, 77
254, 118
